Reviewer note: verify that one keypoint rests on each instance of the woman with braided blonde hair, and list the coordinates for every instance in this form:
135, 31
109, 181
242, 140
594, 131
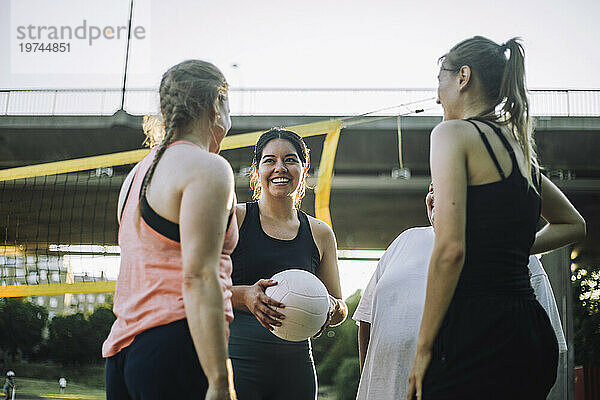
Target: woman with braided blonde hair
177, 231
483, 335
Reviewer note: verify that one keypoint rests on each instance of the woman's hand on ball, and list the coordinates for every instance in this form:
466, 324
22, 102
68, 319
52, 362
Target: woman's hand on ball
262, 306
330, 312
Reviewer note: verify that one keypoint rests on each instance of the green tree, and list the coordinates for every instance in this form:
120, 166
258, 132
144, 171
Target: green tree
100, 323
337, 344
345, 381
586, 313
21, 325
76, 340
71, 340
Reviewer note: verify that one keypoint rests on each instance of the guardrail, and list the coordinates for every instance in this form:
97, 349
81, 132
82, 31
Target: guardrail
251, 102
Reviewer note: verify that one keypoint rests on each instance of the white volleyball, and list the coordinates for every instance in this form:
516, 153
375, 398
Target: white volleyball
306, 304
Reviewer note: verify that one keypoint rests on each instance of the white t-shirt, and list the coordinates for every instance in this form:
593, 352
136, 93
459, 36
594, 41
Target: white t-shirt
393, 303
545, 296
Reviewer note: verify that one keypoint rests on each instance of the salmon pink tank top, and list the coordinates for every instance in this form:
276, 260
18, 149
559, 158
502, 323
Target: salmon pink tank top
149, 288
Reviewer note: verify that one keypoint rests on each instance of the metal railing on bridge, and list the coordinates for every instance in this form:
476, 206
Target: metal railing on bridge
254, 102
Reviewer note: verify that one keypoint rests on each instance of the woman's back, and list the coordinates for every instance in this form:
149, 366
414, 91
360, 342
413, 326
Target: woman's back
494, 333
149, 289
501, 220
175, 240
483, 334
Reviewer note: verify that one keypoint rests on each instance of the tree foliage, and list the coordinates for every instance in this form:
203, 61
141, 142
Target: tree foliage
21, 326
77, 340
346, 379
100, 323
70, 339
586, 315
336, 348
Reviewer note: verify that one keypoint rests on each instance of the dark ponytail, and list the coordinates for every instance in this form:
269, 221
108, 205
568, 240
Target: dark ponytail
516, 105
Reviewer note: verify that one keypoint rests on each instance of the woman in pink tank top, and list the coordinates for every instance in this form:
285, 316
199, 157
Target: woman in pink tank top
177, 231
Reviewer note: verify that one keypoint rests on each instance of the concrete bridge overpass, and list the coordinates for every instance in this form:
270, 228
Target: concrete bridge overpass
371, 199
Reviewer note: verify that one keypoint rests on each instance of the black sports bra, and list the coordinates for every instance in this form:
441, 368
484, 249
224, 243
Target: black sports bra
163, 226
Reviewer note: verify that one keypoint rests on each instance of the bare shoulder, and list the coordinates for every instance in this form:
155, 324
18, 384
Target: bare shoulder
453, 133
200, 157
321, 231
453, 127
193, 163
216, 164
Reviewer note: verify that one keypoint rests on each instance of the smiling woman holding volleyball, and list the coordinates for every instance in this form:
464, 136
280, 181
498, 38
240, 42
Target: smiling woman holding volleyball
276, 236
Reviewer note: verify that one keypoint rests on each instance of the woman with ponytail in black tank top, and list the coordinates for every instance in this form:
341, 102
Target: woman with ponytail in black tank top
483, 335
274, 236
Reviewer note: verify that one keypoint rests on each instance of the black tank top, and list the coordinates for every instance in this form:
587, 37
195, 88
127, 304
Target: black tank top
501, 224
260, 256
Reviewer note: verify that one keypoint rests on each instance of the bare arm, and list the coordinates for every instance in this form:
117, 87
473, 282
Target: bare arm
203, 223
328, 272
449, 173
565, 224
364, 333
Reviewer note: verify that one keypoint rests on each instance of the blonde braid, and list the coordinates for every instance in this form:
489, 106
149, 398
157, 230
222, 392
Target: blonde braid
175, 116
187, 91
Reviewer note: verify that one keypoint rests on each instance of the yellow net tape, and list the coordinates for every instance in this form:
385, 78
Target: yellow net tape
305, 130
323, 189
322, 193
132, 157
77, 164
58, 288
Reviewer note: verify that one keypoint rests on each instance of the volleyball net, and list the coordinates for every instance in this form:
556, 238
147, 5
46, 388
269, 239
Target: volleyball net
58, 225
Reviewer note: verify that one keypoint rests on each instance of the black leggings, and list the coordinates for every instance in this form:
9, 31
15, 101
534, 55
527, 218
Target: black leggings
161, 363
279, 379
266, 367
